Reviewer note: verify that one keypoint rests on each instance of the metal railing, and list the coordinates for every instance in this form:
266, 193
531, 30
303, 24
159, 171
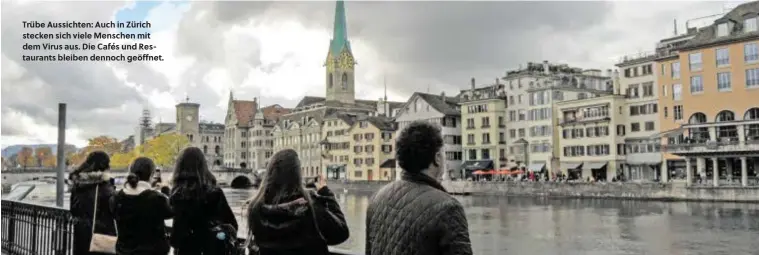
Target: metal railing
32, 229
708, 146
29, 229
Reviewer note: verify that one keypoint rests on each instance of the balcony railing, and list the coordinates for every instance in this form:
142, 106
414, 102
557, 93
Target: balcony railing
728, 145
30, 229
564, 121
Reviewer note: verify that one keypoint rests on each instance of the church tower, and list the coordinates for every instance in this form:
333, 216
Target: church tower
340, 63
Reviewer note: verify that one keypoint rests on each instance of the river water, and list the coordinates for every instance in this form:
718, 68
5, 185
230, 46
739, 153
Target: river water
511, 225
520, 225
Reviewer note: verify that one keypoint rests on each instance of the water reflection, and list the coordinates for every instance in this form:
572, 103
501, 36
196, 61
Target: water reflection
508, 225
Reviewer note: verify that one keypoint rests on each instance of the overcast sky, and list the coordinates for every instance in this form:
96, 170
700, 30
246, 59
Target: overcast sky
275, 51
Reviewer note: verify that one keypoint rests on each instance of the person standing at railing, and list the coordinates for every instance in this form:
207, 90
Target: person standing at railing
90, 183
203, 221
140, 212
286, 218
415, 215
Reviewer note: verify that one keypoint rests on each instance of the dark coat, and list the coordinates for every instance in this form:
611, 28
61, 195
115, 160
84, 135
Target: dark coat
416, 216
297, 227
82, 208
140, 213
190, 232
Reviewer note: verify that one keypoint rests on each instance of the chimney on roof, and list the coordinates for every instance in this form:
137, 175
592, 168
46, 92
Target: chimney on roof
615, 82
545, 67
472, 83
442, 95
608, 73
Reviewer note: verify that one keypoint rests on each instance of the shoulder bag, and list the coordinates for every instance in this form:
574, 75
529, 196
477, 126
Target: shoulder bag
102, 243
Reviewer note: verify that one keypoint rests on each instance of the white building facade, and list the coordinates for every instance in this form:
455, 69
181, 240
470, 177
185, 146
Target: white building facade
443, 111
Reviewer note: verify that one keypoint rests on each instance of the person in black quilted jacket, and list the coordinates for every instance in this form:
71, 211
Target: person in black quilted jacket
415, 215
286, 218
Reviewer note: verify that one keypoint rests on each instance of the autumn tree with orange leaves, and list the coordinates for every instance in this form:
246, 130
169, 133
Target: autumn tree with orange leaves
103, 143
44, 157
25, 157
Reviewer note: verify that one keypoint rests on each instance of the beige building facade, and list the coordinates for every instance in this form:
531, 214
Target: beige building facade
483, 130
636, 80
372, 149
710, 117
590, 137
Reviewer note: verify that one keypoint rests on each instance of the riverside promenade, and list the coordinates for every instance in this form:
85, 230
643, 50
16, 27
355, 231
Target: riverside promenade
672, 191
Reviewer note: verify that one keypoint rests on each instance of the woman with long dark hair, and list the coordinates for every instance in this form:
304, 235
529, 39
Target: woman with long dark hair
286, 218
90, 185
200, 208
140, 212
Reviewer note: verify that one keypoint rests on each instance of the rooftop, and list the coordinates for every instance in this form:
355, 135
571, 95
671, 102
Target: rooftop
707, 36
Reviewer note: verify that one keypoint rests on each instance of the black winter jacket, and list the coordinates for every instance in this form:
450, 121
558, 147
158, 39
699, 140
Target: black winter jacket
140, 213
190, 232
82, 207
416, 216
295, 227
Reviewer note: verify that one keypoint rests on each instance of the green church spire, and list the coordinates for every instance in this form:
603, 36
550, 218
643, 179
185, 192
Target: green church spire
340, 31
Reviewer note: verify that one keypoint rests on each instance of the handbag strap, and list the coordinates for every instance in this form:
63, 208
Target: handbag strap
95, 209
95, 212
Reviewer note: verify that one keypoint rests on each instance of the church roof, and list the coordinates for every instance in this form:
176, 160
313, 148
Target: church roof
339, 40
244, 111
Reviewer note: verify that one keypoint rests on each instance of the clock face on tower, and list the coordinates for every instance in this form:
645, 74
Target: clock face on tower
189, 117
346, 61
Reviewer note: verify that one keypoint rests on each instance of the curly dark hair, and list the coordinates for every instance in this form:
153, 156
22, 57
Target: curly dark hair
416, 146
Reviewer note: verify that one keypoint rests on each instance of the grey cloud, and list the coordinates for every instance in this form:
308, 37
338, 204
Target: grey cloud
433, 42
420, 44
93, 93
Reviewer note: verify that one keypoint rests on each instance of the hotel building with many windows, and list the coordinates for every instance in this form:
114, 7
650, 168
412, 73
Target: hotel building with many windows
710, 101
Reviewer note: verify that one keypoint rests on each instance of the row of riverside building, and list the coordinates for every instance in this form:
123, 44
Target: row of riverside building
691, 104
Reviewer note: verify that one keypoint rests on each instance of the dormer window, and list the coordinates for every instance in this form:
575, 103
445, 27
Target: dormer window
723, 29
750, 25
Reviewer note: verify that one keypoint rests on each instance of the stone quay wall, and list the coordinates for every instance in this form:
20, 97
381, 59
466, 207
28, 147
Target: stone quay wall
356, 186
641, 191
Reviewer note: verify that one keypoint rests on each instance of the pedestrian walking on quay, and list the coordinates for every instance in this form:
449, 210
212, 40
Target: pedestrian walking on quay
286, 218
91, 189
140, 212
203, 221
415, 215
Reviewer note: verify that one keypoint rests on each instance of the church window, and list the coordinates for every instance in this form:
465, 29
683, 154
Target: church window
345, 81
329, 80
